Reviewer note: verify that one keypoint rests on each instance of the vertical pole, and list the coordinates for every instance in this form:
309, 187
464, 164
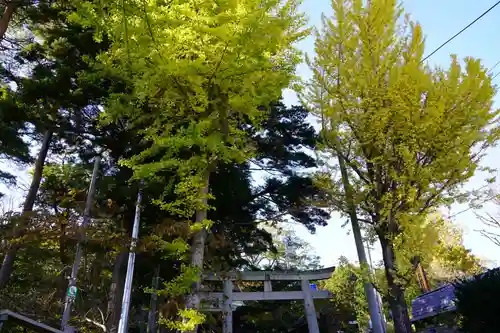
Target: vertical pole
3, 318
154, 300
377, 295
127, 290
78, 255
268, 287
312, 320
373, 308
227, 307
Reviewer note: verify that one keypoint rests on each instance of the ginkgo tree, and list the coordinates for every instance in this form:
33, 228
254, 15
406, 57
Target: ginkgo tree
438, 244
199, 72
410, 135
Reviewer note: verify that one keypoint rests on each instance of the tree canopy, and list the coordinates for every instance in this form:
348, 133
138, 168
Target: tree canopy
438, 245
277, 138
181, 99
411, 135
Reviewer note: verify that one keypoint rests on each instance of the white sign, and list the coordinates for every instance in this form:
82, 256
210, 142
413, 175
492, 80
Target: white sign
72, 291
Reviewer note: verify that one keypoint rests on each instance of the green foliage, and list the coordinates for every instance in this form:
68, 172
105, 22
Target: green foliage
201, 69
63, 186
198, 72
439, 246
12, 125
416, 132
75, 96
182, 283
346, 284
189, 320
410, 135
476, 302
170, 90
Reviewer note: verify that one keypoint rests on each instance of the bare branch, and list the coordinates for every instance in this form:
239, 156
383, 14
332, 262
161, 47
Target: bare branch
101, 326
490, 222
354, 167
494, 238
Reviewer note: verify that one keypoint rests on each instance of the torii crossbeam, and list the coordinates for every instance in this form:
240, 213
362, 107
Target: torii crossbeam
25, 322
223, 300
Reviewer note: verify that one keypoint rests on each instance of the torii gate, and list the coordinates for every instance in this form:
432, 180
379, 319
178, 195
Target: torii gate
223, 300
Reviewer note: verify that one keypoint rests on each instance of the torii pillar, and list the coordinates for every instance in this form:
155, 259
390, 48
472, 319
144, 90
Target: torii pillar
226, 298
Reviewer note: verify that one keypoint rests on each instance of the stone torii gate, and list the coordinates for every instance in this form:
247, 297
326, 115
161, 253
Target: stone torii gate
222, 301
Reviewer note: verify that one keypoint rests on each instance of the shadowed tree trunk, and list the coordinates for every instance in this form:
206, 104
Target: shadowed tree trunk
116, 293
198, 248
7, 17
397, 302
373, 307
63, 256
10, 256
152, 317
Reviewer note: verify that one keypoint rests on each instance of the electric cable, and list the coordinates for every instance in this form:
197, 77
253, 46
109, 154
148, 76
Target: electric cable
461, 31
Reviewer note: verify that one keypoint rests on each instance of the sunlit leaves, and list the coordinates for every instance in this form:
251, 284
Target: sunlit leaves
346, 284
438, 244
188, 321
198, 69
412, 135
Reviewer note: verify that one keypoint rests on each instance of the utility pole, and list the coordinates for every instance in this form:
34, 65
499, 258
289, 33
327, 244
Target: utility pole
377, 295
369, 290
72, 288
127, 291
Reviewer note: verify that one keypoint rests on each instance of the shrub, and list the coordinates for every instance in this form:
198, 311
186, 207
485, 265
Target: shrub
476, 300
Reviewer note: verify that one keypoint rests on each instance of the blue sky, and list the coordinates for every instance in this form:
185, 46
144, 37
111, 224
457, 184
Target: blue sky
440, 20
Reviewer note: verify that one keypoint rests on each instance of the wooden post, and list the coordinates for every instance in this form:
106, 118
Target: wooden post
228, 296
267, 284
3, 318
312, 320
227, 307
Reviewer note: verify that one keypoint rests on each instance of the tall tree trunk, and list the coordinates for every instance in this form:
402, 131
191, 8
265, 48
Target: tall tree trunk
161, 314
142, 319
397, 303
10, 256
152, 316
7, 16
198, 248
373, 306
116, 293
63, 256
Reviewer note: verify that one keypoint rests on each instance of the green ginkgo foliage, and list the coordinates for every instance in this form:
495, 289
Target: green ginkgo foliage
199, 72
411, 135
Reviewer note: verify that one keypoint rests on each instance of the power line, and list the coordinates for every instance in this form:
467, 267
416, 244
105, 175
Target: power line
495, 65
458, 33
490, 71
